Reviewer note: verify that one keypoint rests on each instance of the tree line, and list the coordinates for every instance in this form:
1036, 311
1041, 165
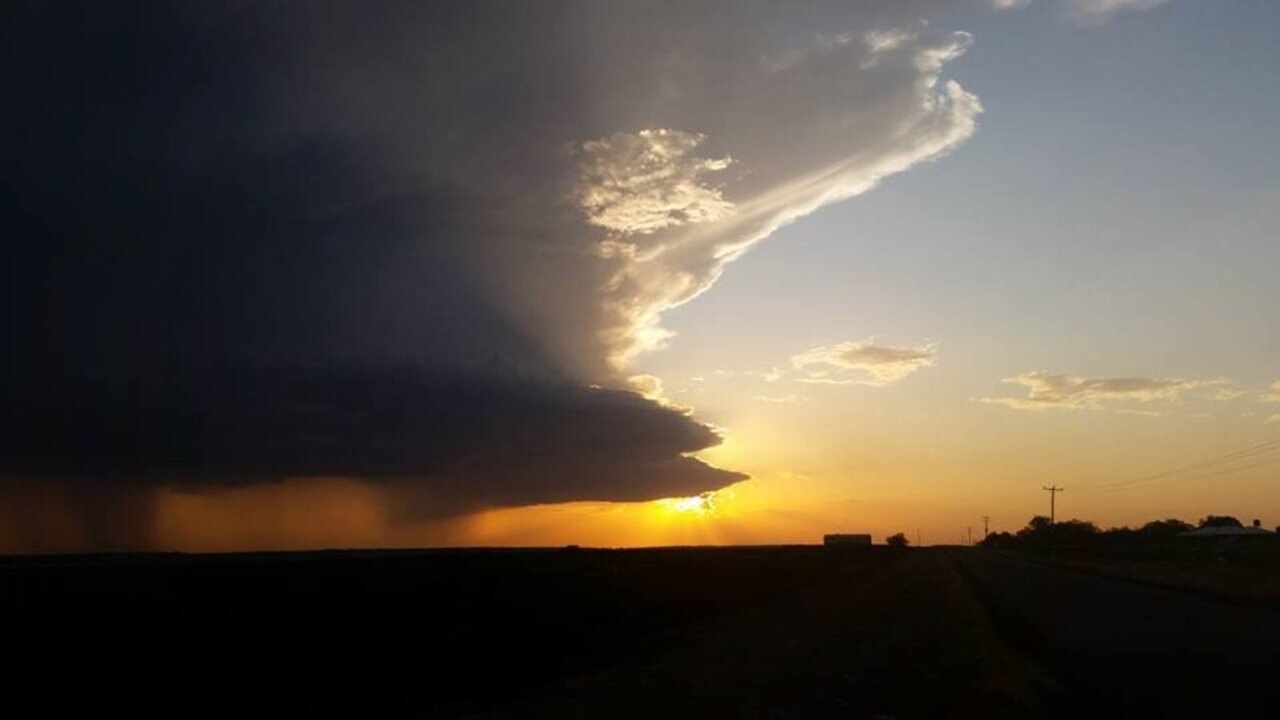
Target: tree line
1041, 531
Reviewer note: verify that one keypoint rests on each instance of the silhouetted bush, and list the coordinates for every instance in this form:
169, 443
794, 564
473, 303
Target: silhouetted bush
999, 540
1219, 521
1165, 528
897, 540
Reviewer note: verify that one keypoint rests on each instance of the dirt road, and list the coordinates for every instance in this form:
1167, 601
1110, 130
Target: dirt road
1115, 646
909, 641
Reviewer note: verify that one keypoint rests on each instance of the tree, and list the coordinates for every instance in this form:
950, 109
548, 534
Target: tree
1040, 531
1037, 524
998, 539
1165, 528
1036, 532
897, 540
1074, 532
1219, 521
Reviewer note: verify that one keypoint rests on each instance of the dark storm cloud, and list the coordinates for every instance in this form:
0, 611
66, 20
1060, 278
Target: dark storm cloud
459, 441
406, 240
215, 278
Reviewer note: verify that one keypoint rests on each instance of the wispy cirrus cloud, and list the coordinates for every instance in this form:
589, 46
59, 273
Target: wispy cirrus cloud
1009, 4
668, 205
780, 399
1100, 12
772, 375
1046, 391
1274, 395
862, 363
1091, 13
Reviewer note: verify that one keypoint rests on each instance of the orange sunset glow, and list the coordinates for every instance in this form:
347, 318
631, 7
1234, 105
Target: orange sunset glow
633, 358
805, 281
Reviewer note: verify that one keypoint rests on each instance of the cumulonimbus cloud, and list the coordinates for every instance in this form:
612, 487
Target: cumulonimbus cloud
1046, 391
453, 443
862, 363
677, 232
504, 196
639, 183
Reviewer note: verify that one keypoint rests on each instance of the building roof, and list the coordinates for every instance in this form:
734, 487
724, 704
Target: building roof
1225, 531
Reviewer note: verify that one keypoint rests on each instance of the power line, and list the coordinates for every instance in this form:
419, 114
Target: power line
1217, 473
1260, 449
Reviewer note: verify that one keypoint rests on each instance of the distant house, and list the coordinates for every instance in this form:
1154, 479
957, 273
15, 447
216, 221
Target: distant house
1227, 531
846, 539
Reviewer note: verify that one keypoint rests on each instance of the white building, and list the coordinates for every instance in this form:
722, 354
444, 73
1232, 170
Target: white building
846, 539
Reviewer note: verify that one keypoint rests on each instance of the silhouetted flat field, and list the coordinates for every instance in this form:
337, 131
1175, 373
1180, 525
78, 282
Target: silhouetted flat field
683, 632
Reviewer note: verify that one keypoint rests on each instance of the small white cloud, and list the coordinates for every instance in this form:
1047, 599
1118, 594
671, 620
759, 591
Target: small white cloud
1145, 413
639, 183
1273, 396
862, 363
1009, 4
1100, 12
779, 399
1049, 392
1272, 420
1228, 393
771, 375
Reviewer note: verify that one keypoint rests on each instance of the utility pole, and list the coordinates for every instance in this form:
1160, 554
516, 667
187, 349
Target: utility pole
968, 531
986, 526
1053, 491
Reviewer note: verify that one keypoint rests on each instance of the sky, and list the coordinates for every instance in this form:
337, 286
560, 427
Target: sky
342, 275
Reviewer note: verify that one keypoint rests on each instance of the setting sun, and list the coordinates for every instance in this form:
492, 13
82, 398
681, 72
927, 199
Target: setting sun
700, 504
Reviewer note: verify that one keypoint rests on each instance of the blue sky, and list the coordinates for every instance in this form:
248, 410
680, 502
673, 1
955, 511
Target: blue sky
1114, 214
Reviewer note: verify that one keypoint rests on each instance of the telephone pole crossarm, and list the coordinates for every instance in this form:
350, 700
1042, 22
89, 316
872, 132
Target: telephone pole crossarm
1053, 491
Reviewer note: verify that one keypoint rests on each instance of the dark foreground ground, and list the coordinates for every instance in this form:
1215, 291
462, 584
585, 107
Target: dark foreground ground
772, 632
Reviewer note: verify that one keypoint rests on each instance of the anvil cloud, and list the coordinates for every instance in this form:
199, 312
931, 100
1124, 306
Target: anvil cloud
417, 243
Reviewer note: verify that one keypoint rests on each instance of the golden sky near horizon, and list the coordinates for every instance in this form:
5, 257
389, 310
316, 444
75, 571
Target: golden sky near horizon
911, 261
